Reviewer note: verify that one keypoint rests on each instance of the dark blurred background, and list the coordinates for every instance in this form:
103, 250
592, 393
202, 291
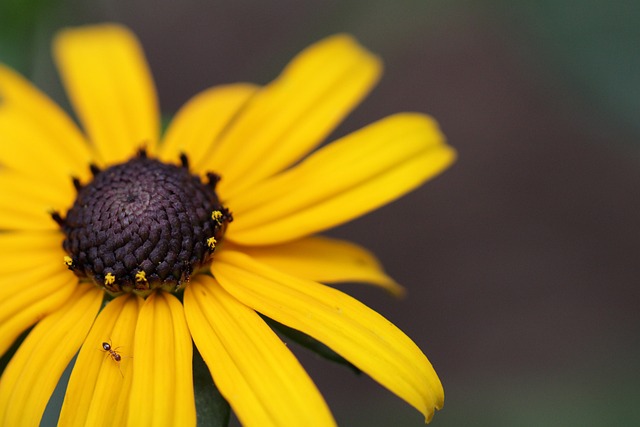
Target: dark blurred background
521, 261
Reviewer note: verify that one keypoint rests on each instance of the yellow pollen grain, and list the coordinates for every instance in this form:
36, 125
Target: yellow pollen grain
141, 276
109, 279
68, 261
211, 242
217, 216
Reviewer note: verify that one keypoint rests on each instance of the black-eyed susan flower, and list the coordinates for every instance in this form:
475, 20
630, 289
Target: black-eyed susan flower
125, 247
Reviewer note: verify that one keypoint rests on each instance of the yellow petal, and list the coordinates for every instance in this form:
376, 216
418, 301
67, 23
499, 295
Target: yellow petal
24, 279
24, 303
325, 260
16, 92
260, 378
294, 113
110, 86
19, 188
351, 329
29, 241
344, 180
34, 371
28, 147
162, 373
99, 387
200, 122
26, 204
18, 261
26, 217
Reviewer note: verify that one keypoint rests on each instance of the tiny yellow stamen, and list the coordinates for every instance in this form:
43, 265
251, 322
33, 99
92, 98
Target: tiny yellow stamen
141, 276
217, 216
211, 242
68, 261
109, 279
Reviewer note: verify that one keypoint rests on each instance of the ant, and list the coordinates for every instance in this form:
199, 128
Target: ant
111, 352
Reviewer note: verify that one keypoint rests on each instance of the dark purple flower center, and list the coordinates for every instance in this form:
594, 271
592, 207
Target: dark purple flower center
143, 224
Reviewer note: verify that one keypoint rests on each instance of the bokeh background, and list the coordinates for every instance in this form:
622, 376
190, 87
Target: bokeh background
521, 261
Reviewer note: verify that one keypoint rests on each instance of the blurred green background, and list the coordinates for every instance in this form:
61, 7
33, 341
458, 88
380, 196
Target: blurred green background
521, 261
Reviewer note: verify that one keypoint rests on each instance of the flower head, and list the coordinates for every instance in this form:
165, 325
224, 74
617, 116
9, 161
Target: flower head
126, 247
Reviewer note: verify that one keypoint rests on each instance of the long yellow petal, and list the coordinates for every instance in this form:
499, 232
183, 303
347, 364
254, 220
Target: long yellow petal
29, 147
110, 86
344, 180
34, 371
162, 373
29, 241
294, 113
351, 329
99, 387
25, 279
12, 219
21, 251
18, 187
26, 204
199, 123
21, 261
23, 303
260, 378
325, 260
17, 92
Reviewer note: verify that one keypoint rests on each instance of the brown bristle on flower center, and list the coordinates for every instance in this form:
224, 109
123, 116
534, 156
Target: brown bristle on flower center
141, 225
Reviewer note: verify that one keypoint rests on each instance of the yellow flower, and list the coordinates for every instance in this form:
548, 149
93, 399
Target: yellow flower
121, 246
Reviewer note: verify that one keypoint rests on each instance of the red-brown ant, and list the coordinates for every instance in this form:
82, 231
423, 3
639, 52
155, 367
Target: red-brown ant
107, 348
112, 351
